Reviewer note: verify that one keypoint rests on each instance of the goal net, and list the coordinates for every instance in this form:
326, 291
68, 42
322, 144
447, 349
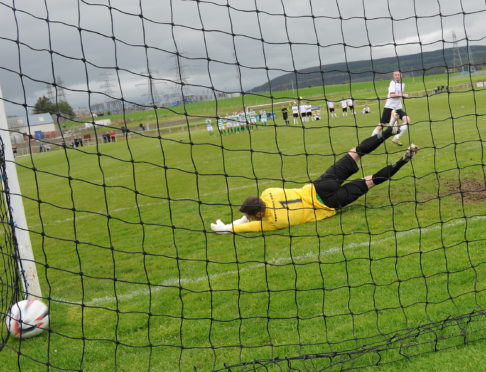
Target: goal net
122, 121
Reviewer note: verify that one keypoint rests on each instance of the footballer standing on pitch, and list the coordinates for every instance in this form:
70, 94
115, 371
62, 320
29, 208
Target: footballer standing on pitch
393, 106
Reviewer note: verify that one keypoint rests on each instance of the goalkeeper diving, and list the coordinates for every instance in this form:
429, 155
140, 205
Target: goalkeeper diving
278, 208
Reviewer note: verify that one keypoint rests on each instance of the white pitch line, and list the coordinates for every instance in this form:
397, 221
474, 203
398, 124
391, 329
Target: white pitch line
176, 281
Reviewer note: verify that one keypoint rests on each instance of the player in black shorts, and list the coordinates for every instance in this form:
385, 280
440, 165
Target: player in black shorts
387, 112
394, 104
285, 115
350, 103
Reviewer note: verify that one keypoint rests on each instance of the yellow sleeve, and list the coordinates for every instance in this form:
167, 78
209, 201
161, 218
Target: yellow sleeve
254, 226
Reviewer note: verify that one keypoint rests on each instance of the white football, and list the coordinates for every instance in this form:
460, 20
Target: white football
27, 318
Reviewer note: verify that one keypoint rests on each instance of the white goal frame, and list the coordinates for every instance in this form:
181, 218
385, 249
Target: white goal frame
26, 262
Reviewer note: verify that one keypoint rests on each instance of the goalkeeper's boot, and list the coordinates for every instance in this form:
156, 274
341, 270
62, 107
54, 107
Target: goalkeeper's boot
411, 151
397, 142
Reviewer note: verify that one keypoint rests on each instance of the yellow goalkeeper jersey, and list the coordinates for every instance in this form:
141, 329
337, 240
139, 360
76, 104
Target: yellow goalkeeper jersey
287, 207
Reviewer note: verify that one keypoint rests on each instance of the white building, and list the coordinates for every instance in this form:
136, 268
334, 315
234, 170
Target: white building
38, 126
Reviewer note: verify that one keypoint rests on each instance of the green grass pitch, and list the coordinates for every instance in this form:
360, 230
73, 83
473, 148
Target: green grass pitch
412, 252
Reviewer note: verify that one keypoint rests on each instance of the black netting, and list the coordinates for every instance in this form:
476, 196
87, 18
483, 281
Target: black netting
166, 115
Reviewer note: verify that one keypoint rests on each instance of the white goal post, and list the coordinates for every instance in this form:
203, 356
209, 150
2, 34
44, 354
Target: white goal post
26, 262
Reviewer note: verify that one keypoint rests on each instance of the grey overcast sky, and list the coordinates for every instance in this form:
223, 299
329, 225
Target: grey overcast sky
86, 40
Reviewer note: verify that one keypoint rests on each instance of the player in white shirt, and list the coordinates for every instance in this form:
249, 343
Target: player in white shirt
243, 121
308, 111
234, 123
330, 107
393, 106
350, 103
251, 116
303, 111
229, 123
263, 117
295, 113
344, 106
221, 126
209, 127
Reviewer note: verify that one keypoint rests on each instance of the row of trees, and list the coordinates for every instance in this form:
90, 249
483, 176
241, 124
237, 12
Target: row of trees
44, 104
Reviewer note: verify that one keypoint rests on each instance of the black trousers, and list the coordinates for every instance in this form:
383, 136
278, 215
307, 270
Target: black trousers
329, 186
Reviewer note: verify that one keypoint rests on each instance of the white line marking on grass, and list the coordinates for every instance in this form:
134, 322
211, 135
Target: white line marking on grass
281, 260
89, 214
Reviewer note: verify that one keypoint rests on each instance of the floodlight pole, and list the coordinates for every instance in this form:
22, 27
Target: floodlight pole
26, 262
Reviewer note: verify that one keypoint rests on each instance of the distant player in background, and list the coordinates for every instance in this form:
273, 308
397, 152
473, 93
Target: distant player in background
295, 113
229, 123
344, 107
303, 111
285, 115
209, 127
263, 117
244, 120
394, 106
308, 111
366, 109
221, 126
350, 103
252, 116
331, 109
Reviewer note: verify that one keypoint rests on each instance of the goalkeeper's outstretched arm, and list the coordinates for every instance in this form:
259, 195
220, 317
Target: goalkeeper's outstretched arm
241, 225
253, 220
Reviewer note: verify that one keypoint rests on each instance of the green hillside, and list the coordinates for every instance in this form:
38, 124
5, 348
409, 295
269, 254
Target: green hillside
427, 63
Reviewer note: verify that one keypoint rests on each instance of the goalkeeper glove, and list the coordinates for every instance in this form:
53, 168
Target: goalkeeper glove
241, 221
220, 227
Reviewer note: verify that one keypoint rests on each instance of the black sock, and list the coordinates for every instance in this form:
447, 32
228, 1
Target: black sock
385, 133
371, 143
386, 173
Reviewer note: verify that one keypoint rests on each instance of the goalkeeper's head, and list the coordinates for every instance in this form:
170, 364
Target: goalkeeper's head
253, 208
